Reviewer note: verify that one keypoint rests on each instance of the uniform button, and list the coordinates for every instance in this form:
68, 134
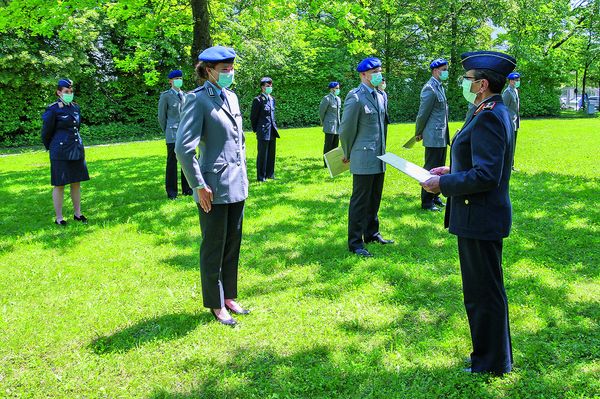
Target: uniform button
239, 163
466, 202
215, 170
364, 148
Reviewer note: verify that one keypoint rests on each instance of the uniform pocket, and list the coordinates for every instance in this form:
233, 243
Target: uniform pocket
215, 176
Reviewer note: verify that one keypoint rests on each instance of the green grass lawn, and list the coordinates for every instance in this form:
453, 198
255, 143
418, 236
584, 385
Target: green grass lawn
113, 309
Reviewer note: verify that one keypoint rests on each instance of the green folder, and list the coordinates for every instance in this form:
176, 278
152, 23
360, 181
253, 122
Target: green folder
335, 163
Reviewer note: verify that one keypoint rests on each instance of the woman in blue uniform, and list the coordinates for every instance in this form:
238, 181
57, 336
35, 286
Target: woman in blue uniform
211, 121
60, 135
479, 211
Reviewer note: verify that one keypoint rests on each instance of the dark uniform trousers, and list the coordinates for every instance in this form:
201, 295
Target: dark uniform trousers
265, 159
332, 141
434, 157
363, 222
515, 148
486, 304
171, 174
220, 252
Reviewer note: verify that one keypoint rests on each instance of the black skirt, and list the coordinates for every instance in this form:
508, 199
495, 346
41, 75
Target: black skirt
67, 172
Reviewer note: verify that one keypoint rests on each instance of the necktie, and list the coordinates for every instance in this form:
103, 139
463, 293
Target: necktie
180, 95
375, 97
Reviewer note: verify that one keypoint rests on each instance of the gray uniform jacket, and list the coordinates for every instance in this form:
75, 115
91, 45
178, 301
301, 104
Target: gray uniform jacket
215, 128
362, 131
510, 97
169, 107
432, 119
329, 113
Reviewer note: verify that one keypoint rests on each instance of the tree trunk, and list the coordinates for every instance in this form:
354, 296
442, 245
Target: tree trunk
202, 39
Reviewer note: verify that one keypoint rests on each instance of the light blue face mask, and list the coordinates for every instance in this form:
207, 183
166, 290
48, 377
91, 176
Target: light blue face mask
337, 92
444, 75
67, 98
269, 89
517, 84
466, 86
376, 78
225, 79
178, 83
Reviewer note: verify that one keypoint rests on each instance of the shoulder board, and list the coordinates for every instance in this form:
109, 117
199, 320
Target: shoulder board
163, 92
356, 90
485, 106
53, 104
60, 104
196, 90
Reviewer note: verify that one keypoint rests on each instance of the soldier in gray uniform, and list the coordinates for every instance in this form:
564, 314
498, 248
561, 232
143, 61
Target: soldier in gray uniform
212, 122
362, 133
169, 106
432, 126
329, 113
510, 97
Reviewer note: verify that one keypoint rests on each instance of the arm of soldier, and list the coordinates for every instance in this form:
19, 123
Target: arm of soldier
428, 99
349, 124
162, 112
323, 108
506, 98
254, 113
188, 137
48, 126
488, 145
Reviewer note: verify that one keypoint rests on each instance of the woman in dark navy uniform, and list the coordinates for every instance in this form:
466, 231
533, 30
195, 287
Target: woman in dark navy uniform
479, 210
60, 135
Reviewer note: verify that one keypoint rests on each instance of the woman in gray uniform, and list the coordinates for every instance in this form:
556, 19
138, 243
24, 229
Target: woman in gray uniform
212, 122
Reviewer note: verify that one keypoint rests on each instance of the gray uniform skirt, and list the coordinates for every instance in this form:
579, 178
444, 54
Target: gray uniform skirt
67, 172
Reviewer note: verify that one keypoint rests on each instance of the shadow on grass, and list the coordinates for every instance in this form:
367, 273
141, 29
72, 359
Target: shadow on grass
163, 328
266, 374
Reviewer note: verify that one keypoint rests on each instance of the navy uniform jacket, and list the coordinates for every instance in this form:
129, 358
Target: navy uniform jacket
477, 186
60, 131
262, 117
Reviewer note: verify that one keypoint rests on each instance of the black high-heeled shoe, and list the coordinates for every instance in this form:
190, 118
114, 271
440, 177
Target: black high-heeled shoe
61, 223
242, 312
231, 322
81, 219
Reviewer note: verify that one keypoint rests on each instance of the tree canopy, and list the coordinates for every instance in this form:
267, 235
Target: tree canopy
119, 52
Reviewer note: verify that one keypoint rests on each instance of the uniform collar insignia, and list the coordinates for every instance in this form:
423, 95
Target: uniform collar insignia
211, 91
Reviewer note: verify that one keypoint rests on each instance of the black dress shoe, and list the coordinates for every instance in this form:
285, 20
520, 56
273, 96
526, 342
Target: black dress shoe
261, 180
467, 370
231, 322
189, 192
362, 252
378, 238
61, 223
430, 208
81, 219
242, 312
172, 197
437, 201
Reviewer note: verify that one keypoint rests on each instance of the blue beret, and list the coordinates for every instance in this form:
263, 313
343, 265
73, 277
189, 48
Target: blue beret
492, 60
175, 74
438, 63
514, 75
368, 63
333, 84
266, 79
217, 54
65, 83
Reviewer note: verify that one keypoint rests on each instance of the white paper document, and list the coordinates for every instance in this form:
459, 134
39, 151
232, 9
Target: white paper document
409, 168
